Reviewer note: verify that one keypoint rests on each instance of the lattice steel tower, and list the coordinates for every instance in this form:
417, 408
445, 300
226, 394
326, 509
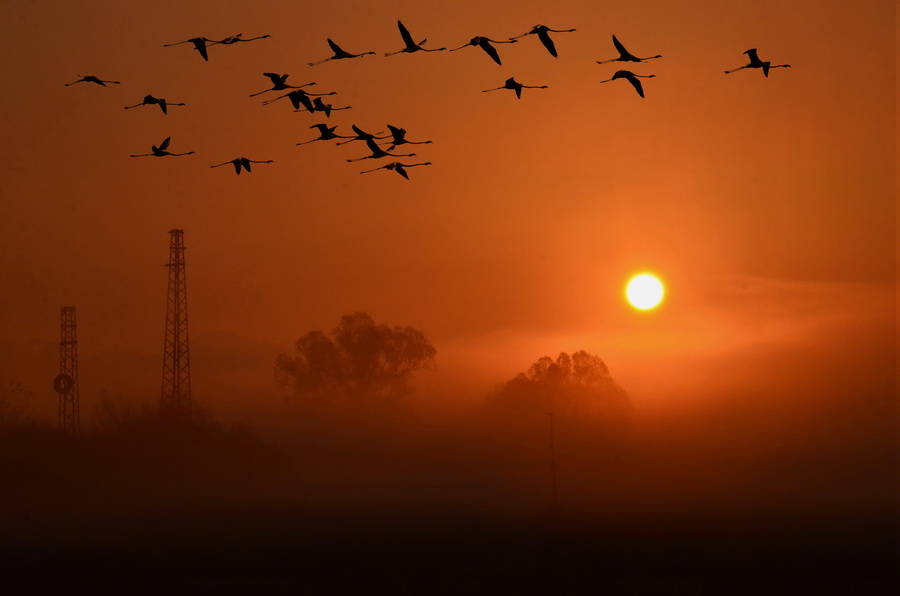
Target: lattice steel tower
66, 382
176, 380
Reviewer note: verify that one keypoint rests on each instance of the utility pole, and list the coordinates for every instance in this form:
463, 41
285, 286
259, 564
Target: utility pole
552, 459
66, 382
176, 379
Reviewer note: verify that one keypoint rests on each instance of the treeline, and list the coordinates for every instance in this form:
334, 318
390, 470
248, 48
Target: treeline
346, 431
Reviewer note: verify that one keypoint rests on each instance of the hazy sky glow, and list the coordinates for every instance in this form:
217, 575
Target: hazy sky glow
762, 432
766, 204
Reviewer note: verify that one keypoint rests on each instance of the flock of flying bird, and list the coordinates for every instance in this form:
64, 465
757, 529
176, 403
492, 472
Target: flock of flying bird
313, 102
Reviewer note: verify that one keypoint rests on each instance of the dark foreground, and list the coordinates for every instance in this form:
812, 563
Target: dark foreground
211, 511
365, 551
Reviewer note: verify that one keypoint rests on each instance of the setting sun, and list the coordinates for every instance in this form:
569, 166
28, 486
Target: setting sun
644, 291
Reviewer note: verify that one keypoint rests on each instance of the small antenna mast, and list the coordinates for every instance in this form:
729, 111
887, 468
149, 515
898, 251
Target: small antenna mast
552, 459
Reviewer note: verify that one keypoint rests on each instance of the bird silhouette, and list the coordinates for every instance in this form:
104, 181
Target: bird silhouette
321, 106
162, 150
199, 43
240, 162
362, 135
378, 152
92, 79
398, 167
631, 78
625, 55
279, 83
399, 138
512, 83
411, 46
326, 133
339, 54
299, 97
543, 33
237, 38
150, 100
755, 62
485, 44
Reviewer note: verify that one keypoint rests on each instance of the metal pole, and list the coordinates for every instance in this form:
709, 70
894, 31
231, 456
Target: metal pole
552, 458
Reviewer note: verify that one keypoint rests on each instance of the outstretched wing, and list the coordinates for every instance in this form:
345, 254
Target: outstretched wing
401, 171
373, 146
297, 98
246, 163
275, 78
404, 33
621, 49
200, 46
637, 85
165, 144
491, 50
548, 43
335, 47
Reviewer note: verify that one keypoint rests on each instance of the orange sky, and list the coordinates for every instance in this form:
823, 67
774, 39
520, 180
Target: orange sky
766, 205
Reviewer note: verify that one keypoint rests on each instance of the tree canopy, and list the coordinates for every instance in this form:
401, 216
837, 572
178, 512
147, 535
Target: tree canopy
361, 361
578, 384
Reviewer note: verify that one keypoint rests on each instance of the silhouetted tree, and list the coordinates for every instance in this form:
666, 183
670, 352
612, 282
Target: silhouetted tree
361, 362
576, 384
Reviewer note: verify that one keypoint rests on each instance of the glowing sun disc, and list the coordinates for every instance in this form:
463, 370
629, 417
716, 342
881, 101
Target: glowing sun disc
644, 291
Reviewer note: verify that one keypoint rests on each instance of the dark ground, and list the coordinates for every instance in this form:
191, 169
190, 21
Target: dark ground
432, 551
219, 511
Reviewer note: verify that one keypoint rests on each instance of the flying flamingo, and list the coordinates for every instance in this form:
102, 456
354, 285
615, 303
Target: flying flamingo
362, 135
237, 38
279, 83
399, 138
398, 167
240, 162
625, 55
326, 133
755, 62
161, 151
321, 106
543, 33
411, 46
631, 78
199, 44
92, 79
512, 83
485, 44
339, 53
378, 152
299, 97
149, 100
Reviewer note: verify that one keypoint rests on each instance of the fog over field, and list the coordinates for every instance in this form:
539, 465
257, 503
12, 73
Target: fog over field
339, 370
